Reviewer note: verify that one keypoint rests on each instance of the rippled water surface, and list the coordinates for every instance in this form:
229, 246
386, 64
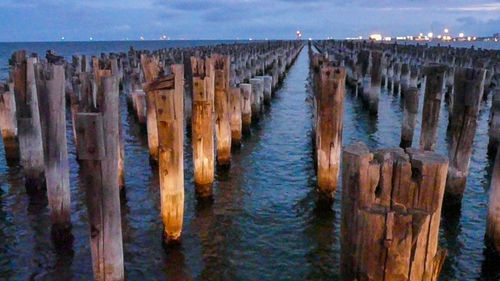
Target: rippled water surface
265, 222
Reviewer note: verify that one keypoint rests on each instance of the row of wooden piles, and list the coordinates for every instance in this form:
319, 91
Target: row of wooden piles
392, 198
223, 86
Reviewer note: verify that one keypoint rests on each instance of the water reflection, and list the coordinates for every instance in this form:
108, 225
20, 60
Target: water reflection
264, 223
175, 263
490, 267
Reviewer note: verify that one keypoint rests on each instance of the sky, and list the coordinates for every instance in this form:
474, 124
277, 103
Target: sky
78, 20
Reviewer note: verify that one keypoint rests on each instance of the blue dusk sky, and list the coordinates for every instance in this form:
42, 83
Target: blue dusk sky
49, 20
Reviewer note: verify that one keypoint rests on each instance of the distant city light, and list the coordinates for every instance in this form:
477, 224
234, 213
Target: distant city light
387, 38
91, 38
250, 39
446, 30
299, 34
461, 35
430, 34
376, 37
141, 38
421, 34
62, 38
439, 36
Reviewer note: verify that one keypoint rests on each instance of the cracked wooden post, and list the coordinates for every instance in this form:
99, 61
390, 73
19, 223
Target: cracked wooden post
257, 93
246, 106
236, 123
410, 112
28, 121
51, 89
432, 105
97, 146
329, 124
222, 110
202, 126
375, 87
391, 211
494, 122
8, 122
150, 66
169, 95
493, 219
467, 97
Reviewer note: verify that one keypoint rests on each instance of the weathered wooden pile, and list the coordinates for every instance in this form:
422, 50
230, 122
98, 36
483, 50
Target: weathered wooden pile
328, 104
223, 86
396, 196
391, 210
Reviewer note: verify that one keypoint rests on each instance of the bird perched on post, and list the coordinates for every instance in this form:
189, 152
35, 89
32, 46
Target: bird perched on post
54, 59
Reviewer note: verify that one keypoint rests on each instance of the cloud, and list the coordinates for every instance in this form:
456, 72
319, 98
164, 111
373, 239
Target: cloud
486, 7
229, 19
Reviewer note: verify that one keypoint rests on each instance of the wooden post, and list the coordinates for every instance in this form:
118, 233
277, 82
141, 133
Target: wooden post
202, 126
222, 110
28, 121
97, 146
236, 124
405, 78
467, 97
51, 88
246, 106
268, 84
391, 210
376, 74
396, 78
257, 92
169, 94
102, 68
414, 73
150, 66
493, 221
432, 105
494, 123
409, 116
390, 74
139, 104
8, 122
383, 71
450, 74
329, 124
